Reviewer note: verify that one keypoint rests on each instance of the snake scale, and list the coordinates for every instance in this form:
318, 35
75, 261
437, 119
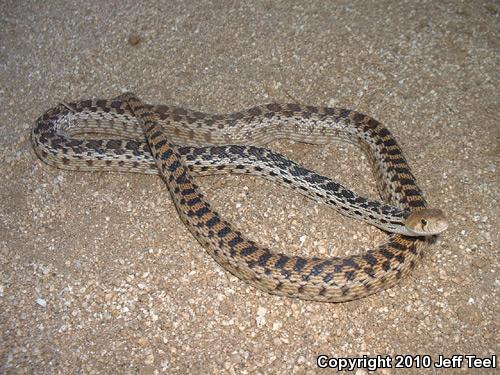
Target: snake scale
178, 143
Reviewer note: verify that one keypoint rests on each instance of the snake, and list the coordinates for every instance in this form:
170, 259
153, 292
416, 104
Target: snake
179, 143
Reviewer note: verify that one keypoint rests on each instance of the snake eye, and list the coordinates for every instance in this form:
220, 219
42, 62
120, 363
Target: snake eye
423, 222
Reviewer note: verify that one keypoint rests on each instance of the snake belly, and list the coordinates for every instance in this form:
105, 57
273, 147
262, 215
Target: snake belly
333, 279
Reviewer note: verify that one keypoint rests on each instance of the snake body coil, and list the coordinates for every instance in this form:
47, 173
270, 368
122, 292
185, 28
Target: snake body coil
233, 139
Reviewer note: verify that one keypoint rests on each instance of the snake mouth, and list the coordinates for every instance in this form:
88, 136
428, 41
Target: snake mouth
417, 233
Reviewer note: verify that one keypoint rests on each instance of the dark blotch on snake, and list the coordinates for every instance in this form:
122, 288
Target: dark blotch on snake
370, 259
347, 194
274, 107
300, 263
188, 191
416, 204
193, 201
332, 186
182, 179
202, 211
386, 253
349, 262
329, 111
389, 142
176, 164
282, 261
344, 289
370, 272
179, 111
223, 232
372, 123
344, 113
358, 117
235, 241
286, 273
212, 222
328, 277
161, 143
74, 142
199, 114
412, 192
394, 151
318, 268
350, 275
383, 132
248, 250
397, 245
237, 115
255, 111
155, 135
264, 258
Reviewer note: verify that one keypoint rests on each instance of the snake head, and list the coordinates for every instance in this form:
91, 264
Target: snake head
426, 222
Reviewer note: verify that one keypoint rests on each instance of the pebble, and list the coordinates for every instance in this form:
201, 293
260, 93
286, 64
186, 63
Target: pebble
277, 326
134, 39
150, 359
480, 262
261, 316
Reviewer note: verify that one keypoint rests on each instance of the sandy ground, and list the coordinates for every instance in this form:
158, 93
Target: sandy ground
99, 275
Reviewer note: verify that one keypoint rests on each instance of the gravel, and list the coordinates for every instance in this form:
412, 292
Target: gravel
99, 275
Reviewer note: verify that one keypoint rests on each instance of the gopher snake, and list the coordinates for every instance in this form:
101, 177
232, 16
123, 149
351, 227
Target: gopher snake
334, 279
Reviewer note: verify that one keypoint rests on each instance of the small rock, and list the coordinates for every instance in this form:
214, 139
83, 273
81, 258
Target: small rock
150, 359
164, 364
261, 316
480, 262
302, 239
134, 40
277, 325
41, 302
235, 357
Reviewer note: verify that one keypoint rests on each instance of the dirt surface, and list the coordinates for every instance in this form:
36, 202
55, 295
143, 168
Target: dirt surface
99, 275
